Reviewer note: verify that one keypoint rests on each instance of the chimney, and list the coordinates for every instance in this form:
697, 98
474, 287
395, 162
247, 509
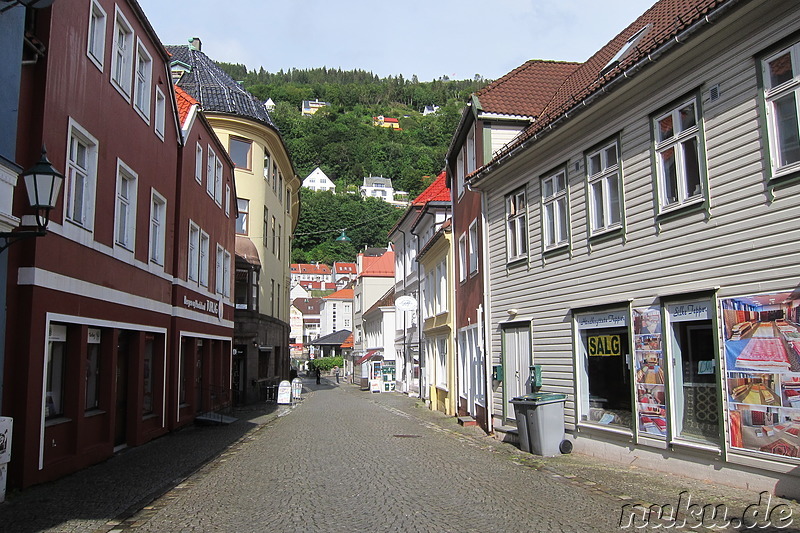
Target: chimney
196, 44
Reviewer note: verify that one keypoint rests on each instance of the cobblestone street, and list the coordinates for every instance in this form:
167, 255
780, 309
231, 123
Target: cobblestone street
347, 460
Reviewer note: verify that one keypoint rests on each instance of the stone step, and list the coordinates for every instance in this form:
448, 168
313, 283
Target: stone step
467, 421
508, 434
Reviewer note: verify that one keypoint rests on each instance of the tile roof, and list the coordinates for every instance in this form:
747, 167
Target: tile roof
214, 88
436, 191
378, 267
343, 294
345, 268
336, 338
668, 19
185, 102
526, 90
307, 306
310, 268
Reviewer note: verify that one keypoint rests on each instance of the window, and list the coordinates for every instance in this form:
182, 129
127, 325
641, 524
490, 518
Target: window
471, 156
473, 247
554, 209
144, 72
516, 226
602, 168
122, 60
462, 257
96, 46
265, 235
81, 177
240, 150
227, 200
267, 165
211, 163
280, 188
460, 173
678, 156
158, 211
193, 252
218, 181
781, 89
161, 108
627, 48
223, 272
198, 163
604, 371
56, 367
125, 233
273, 234
204, 259
288, 199
147, 375
92, 391
243, 206
441, 362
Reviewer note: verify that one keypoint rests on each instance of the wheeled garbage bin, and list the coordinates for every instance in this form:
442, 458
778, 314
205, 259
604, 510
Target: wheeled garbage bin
540, 422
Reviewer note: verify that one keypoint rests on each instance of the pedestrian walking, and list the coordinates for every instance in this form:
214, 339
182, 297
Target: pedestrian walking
336, 372
318, 372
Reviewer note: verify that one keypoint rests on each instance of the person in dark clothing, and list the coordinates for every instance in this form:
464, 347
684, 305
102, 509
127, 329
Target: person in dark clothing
318, 373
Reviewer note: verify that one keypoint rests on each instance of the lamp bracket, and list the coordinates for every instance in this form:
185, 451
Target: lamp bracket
10, 237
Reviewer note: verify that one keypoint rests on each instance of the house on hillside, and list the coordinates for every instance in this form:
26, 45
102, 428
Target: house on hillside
344, 273
640, 243
386, 122
309, 107
319, 181
381, 188
491, 118
310, 272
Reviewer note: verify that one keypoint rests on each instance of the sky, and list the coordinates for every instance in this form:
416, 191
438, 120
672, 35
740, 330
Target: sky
426, 38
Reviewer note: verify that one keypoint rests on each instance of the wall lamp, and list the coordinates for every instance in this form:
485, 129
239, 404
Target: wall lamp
43, 184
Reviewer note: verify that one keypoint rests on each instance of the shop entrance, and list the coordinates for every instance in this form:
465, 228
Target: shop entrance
121, 403
695, 381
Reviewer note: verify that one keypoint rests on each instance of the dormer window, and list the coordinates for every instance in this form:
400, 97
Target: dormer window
626, 49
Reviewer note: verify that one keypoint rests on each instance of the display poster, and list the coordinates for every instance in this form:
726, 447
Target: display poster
761, 335
649, 360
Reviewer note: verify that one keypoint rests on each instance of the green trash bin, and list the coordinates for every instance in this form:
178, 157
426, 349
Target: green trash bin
540, 422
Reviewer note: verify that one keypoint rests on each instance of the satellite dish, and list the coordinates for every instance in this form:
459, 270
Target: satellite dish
406, 303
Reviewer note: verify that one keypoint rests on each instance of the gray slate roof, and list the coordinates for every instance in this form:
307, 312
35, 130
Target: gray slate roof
214, 88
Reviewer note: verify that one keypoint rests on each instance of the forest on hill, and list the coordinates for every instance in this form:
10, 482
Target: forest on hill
342, 140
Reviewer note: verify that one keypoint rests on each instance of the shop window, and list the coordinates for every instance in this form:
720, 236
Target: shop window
56, 366
649, 363
93, 370
605, 369
184, 370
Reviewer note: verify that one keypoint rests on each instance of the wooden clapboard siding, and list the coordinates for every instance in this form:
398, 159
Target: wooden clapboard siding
747, 244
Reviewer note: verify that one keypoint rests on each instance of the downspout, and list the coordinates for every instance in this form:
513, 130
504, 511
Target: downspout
405, 326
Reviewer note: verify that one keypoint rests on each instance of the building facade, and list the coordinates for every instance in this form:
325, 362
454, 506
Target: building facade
267, 205
640, 246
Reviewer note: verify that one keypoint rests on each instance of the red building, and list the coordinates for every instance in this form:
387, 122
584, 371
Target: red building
120, 321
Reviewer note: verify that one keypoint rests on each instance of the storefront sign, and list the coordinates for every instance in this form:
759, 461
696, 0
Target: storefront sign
604, 345
614, 319
94, 336
208, 306
285, 393
691, 311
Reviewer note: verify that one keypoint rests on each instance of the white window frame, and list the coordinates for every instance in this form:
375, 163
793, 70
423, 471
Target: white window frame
158, 218
787, 88
516, 226
218, 277
125, 207
218, 181
204, 259
193, 253
160, 113
675, 142
142, 85
227, 200
473, 247
199, 163
440, 347
122, 58
81, 181
555, 210
601, 174
471, 155
462, 257
243, 210
211, 163
96, 39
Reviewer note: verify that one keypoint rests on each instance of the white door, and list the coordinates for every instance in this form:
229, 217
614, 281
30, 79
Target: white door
516, 365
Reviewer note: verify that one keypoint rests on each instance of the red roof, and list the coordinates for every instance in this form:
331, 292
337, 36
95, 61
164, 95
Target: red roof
345, 268
310, 268
436, 191
185, 103
378, 267
348, 342
527, 89
317, 285
344, 294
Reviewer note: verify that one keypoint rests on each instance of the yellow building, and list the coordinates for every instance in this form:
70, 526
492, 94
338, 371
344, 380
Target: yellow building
268, 206
439, 371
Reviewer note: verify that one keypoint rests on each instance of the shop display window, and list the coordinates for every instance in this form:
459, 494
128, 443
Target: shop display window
605, 369
56, 365
93, 370
147, 376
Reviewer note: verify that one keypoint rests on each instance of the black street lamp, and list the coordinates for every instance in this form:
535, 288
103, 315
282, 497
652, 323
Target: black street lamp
43, 184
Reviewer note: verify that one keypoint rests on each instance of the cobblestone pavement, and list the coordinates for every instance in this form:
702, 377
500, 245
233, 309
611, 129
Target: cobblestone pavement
347, 460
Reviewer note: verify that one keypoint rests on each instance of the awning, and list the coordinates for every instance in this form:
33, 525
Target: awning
371, 355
